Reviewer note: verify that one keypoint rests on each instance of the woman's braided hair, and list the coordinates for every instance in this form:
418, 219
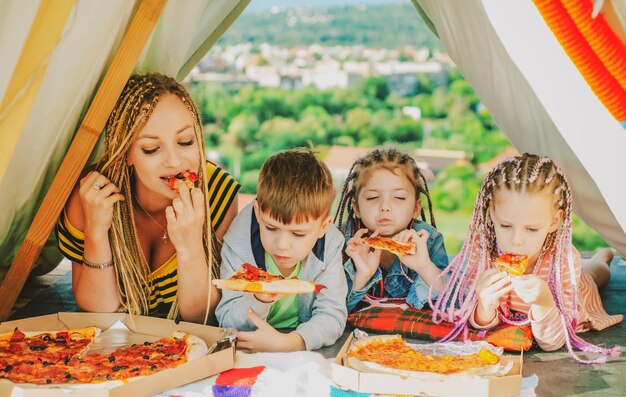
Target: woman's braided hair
389, 159
532, 174
133, 109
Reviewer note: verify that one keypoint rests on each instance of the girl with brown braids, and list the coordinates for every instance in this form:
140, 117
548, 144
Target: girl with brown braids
524, 208
136, 244
382, 196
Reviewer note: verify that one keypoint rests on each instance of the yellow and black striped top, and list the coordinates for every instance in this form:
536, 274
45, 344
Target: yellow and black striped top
163, 281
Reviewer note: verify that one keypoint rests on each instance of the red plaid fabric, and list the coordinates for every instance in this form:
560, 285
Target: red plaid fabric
418, 324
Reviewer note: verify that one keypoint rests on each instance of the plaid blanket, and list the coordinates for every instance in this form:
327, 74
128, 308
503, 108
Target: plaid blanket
418, 324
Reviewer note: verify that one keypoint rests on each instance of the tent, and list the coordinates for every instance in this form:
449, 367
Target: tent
64, 62
553, 75
541, 68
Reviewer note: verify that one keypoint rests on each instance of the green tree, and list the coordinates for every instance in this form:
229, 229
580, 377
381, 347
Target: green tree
375, 87
405, 129
455, 187
249, 181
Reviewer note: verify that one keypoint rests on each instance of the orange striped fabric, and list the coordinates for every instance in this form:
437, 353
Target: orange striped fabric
593, 47
548, 331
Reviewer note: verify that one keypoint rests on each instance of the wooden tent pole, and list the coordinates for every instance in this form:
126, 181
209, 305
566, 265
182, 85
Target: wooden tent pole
125, 59
31, 66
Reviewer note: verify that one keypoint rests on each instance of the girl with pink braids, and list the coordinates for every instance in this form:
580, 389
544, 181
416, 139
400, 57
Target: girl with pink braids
524, 207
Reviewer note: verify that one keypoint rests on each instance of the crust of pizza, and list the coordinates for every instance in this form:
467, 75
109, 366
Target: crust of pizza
78, 333
512, 264
196, 347
393, 246
286, 286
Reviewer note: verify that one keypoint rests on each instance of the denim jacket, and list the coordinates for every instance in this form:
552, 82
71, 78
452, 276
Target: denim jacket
396, 285
322, 316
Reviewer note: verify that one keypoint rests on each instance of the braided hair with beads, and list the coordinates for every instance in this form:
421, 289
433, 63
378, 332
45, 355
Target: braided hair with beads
389, 159
456, 302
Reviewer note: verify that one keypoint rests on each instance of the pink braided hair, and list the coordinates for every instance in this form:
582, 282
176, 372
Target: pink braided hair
458, 298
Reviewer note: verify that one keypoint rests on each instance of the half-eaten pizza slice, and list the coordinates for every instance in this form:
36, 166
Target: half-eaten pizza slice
252, 279
393, 246
512, 264
189, 177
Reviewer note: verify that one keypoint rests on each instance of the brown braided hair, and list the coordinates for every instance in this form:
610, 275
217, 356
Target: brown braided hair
390, 159
131, 113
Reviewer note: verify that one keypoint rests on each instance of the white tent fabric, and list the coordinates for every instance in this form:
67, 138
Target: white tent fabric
520, 72
91, 36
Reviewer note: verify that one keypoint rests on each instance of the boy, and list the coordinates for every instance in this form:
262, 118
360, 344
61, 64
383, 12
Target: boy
287, 230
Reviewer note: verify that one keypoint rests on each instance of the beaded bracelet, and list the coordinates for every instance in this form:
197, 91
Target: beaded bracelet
98, 265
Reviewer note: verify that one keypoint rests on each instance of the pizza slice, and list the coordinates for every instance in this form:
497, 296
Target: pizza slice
512, 264
395, 247
189, 177
252, 279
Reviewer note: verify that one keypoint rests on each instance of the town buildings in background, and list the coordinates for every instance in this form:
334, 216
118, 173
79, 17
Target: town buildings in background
321, 67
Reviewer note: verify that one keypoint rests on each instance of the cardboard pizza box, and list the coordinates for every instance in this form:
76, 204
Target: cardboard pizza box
146, 386
348, 378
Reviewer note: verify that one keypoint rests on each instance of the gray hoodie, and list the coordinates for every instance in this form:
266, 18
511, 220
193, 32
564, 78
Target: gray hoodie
322, 316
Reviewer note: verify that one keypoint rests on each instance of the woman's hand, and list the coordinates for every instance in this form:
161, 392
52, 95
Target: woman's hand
185, 219
365, 260
420, 259
97, 197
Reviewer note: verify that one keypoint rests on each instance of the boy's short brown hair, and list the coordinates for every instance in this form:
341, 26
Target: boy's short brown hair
294, 185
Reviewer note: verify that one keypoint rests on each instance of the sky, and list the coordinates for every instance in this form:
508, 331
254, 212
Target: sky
259, 5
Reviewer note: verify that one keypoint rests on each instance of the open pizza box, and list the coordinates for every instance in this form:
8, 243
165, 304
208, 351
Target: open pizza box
155, 328
348, 378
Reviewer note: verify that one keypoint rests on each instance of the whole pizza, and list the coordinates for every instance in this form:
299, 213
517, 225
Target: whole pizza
61, 357
250, 278
392, 354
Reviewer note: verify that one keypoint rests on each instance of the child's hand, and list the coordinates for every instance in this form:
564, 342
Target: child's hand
490, 286
268, 297
266, 338
365, 260
421, 258
533, 290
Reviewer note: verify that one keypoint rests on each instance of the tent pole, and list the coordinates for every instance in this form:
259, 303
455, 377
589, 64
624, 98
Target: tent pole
125, 59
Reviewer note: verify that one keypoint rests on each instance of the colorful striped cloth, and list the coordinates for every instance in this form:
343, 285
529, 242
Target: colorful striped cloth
418, 324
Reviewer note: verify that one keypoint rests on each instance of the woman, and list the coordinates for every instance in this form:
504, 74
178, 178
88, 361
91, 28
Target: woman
135, 243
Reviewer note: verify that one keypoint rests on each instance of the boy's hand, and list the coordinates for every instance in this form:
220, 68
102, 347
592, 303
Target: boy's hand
266, 338
533, 290
420, 258
365, 260
490, 286
268, 297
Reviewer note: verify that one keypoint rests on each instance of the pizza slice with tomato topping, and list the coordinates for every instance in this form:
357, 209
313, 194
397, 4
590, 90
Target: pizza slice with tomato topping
252, 279
395, 247
189, 177
512, 264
